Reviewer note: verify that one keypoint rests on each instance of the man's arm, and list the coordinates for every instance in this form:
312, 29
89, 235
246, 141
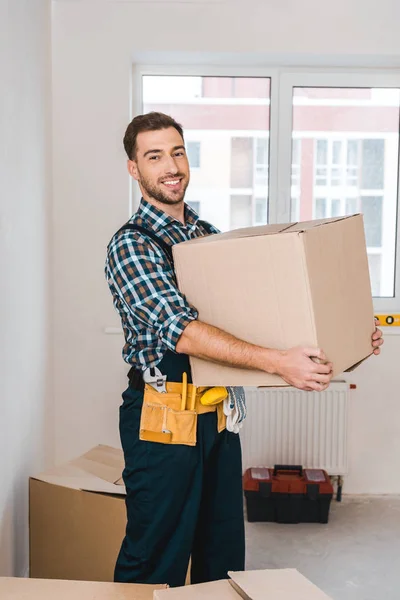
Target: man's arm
295, 365
143, 285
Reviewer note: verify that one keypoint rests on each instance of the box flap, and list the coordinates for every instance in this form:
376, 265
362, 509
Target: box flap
99, 470
85, 483
357, 364
235, 234
302, 226
275, 584
103, 461
13, 588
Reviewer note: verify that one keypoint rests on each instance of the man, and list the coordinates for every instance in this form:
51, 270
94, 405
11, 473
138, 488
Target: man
183, 499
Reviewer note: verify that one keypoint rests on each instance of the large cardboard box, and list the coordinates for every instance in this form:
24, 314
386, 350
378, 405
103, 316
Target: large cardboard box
272, 584
13, 588
77, 518
280, 286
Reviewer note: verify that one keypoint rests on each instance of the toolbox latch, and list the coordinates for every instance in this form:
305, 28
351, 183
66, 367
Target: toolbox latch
265, 489
313, 491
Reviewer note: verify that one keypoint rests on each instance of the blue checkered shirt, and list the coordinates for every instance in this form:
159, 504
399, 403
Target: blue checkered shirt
142, 282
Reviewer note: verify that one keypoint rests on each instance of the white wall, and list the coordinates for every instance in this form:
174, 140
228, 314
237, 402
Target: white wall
25, 413
94, 46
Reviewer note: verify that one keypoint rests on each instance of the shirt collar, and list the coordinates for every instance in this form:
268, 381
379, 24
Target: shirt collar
159, 220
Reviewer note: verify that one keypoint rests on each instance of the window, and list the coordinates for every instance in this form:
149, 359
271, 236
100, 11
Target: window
321, 169
371, 207
241, 211
241, 162
261, 162
296, 162
320, 208
261, 211
319, 145
375, 269
226, 124
351, 206
336, 208
295, 179
193, 154
295, 208
352, 162
373, 161
195, 204
337, 167
351, 136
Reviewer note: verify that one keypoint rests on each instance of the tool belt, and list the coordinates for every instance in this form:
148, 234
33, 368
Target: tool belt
164, 421
171, 417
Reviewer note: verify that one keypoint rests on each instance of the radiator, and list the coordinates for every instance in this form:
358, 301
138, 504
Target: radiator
288, 426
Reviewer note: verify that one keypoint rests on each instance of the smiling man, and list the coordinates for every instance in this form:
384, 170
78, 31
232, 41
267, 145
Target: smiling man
183, 472
164, 171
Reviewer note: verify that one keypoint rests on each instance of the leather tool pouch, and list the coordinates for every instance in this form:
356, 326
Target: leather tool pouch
163, 421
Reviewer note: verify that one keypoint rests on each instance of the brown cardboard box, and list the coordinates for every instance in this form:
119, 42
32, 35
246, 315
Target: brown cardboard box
271, 584
281, 286
77, 518
12, 588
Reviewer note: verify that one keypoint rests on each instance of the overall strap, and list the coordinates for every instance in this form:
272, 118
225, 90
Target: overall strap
166, 248
180, 362
206, 225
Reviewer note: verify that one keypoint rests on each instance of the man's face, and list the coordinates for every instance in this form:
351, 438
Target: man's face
161, 166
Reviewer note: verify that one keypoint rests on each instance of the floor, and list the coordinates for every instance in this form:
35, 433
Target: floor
356, 556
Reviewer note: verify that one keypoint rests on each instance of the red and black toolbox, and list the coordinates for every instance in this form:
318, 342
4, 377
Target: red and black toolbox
287, 494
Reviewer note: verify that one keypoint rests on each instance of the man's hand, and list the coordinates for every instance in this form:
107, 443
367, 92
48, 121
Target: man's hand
377, 339
297, 367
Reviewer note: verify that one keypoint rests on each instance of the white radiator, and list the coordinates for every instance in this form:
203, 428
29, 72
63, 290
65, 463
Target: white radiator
288, 426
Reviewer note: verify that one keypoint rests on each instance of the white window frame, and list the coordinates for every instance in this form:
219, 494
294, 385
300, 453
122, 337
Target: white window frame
283, 80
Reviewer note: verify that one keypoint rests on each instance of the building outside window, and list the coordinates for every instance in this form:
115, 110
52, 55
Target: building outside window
193, 154
323, 147
195, 204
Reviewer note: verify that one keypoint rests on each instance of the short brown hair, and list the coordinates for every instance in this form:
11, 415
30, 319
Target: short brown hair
151, 121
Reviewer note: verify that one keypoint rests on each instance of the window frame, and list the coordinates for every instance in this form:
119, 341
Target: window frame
282, 82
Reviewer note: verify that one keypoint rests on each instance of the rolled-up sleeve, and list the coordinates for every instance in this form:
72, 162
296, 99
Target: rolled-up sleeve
144, 285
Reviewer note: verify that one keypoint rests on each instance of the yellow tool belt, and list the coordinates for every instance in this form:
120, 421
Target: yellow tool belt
171, 418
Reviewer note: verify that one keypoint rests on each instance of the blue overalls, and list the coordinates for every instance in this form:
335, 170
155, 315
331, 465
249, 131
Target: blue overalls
181, 500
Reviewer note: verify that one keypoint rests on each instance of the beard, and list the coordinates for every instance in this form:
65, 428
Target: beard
157, 193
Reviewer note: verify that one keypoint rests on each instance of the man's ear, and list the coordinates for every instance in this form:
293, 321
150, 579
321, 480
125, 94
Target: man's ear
132, 169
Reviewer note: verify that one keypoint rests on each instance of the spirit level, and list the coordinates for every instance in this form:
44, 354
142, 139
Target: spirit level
389, 320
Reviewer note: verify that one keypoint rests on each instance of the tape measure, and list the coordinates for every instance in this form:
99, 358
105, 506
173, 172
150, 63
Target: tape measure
389, 320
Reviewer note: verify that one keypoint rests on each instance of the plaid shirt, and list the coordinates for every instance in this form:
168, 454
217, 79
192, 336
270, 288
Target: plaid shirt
142, 282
